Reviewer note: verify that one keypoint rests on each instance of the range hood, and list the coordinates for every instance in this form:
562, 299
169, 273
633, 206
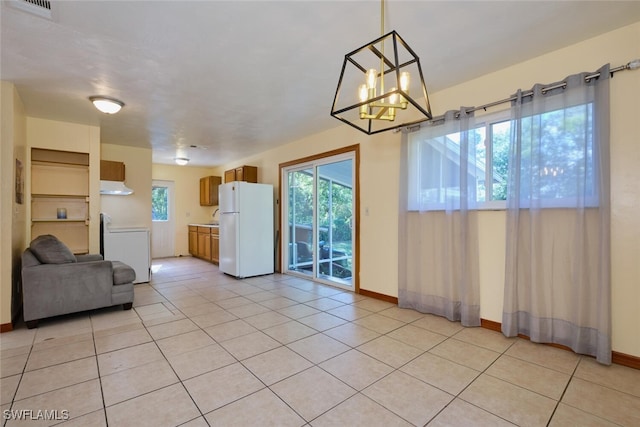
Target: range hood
112, 179
115, 188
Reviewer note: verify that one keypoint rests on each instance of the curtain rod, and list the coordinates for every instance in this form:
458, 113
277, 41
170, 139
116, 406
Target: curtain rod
631, 65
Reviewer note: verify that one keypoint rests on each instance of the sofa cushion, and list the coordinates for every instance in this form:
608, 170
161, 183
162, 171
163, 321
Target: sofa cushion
49, 250
122, 273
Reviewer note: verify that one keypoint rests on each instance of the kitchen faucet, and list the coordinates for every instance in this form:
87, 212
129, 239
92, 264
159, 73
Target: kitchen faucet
214, 213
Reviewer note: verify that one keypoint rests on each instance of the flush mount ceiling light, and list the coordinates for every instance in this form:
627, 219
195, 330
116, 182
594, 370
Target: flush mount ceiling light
377, 92
181, 160
106, 105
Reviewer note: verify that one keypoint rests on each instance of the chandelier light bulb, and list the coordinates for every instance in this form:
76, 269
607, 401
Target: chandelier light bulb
405, 79
363, 92
372, 77
393, 98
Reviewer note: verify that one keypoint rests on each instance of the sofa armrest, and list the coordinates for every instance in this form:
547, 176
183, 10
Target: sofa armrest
89, 257
54, 289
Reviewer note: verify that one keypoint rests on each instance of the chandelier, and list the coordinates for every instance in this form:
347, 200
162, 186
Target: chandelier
379, 94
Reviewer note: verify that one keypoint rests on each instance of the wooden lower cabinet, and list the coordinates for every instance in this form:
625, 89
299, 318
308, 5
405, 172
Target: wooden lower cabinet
204, 243
215, 245
193, 240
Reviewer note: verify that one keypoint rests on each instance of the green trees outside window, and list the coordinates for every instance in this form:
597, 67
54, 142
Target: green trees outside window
159, 203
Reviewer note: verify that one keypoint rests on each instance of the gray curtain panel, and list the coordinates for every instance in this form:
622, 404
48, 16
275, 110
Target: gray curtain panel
438, 247
558, 262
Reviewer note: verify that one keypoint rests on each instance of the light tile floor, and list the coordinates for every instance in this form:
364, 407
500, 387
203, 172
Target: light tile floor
201, 348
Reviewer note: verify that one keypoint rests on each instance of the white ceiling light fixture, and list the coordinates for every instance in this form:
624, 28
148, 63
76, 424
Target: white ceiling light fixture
378, 95
106, 105
181, 160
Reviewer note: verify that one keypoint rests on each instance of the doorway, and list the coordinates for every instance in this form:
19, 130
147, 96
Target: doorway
162, 219
319, 218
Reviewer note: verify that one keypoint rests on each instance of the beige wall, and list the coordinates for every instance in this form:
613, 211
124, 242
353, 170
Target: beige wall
133, 210
379, 175
187, 199
55, 135
12, 214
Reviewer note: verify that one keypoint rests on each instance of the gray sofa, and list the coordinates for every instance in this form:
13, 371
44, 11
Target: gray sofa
55, 282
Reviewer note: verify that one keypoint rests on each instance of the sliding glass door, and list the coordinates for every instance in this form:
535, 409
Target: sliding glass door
300, 214
319, 216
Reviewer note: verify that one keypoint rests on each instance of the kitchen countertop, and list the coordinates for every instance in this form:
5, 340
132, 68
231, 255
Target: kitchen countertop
205, 225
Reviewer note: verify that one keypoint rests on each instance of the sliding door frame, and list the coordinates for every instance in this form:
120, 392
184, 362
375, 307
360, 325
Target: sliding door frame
355, 150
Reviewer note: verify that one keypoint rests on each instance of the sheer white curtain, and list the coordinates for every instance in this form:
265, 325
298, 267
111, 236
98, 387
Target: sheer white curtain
438, 244
557, 284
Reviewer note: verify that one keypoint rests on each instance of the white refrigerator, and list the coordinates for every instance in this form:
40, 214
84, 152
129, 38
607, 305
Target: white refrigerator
246, 229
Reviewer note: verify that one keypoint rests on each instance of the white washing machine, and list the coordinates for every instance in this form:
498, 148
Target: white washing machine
131, 245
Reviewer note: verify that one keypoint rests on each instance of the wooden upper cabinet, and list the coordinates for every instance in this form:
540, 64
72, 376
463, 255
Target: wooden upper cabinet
111, 171
242, 173
209, 190
230, 175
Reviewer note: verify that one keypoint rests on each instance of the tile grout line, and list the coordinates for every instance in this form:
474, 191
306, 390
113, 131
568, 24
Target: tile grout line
95, 349
458, 396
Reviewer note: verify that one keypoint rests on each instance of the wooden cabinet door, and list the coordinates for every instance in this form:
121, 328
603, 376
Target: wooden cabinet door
111, 171
215, 248
193, 241
249, 174
207, 247
202, 244
230, 175
203, 192
206, 192
209, 190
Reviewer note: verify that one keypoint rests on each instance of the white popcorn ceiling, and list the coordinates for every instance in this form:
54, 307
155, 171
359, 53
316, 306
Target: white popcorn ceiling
236, 78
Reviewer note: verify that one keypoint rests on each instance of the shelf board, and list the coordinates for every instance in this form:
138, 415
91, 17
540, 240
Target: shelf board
58, 220
60, 196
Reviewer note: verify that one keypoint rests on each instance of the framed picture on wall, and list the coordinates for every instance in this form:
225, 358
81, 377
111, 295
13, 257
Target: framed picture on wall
19, 182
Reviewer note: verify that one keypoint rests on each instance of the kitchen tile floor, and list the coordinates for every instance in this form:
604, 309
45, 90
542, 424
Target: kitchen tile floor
200, 348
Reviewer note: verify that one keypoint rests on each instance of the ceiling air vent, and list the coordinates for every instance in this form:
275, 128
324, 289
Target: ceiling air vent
41, 8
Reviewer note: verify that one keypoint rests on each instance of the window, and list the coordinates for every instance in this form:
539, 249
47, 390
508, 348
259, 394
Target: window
434, 161
562, 166
159, 203
435, 166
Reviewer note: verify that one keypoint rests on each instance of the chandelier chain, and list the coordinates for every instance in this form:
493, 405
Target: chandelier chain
382, 47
